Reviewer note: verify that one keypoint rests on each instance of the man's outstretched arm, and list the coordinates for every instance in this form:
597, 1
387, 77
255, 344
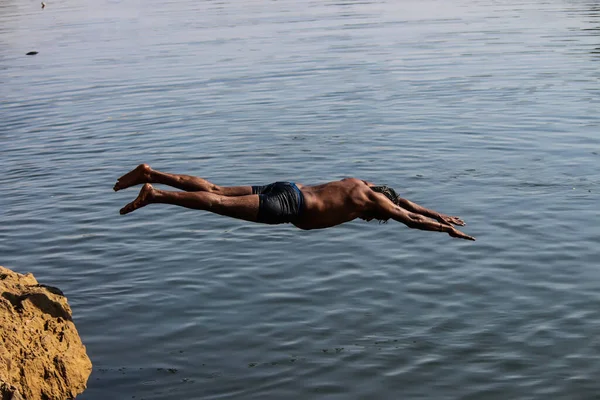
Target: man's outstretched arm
417, 221
445, 219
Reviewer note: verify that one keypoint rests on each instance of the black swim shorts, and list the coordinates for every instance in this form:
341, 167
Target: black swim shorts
279, 202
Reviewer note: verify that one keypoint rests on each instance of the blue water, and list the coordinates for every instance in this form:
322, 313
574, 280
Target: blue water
483, 109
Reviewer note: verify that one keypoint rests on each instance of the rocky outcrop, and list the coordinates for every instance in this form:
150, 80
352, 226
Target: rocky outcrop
41, 354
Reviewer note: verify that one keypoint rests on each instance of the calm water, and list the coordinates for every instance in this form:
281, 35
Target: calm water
483, 109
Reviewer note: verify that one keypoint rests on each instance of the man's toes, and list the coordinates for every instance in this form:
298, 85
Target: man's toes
120, 184
127, 209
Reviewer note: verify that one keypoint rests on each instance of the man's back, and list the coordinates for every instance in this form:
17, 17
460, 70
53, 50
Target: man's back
333, 203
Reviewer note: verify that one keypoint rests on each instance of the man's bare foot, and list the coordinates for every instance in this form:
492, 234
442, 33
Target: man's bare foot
140, 174
144, 198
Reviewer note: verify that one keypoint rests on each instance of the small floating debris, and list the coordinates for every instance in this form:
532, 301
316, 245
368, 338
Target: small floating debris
43, 5
31, 53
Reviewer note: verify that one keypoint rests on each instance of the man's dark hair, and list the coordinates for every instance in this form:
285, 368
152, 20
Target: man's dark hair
387, 192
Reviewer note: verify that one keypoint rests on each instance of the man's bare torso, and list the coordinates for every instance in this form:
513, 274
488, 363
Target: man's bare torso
334, 203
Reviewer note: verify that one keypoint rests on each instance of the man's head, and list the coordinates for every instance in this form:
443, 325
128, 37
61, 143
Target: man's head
387, 192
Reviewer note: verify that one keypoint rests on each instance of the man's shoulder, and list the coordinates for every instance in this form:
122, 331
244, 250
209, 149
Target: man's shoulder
355, 181
358, 189
345, 185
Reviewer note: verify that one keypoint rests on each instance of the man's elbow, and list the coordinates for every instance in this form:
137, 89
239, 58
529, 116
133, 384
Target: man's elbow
415, 221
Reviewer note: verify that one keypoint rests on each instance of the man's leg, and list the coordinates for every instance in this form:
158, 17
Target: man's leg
241, 207
144, 174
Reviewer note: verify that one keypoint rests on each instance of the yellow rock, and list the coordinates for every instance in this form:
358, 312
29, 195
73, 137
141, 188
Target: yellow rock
41, 354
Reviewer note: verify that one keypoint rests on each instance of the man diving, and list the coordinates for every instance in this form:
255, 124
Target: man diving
307, 207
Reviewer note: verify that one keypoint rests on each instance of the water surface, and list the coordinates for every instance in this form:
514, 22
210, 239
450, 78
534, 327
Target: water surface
483, 109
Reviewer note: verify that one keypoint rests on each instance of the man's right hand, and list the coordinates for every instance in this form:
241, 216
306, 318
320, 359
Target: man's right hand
458, 234
449, 220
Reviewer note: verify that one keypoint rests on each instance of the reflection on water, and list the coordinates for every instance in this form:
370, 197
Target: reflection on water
486, 110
